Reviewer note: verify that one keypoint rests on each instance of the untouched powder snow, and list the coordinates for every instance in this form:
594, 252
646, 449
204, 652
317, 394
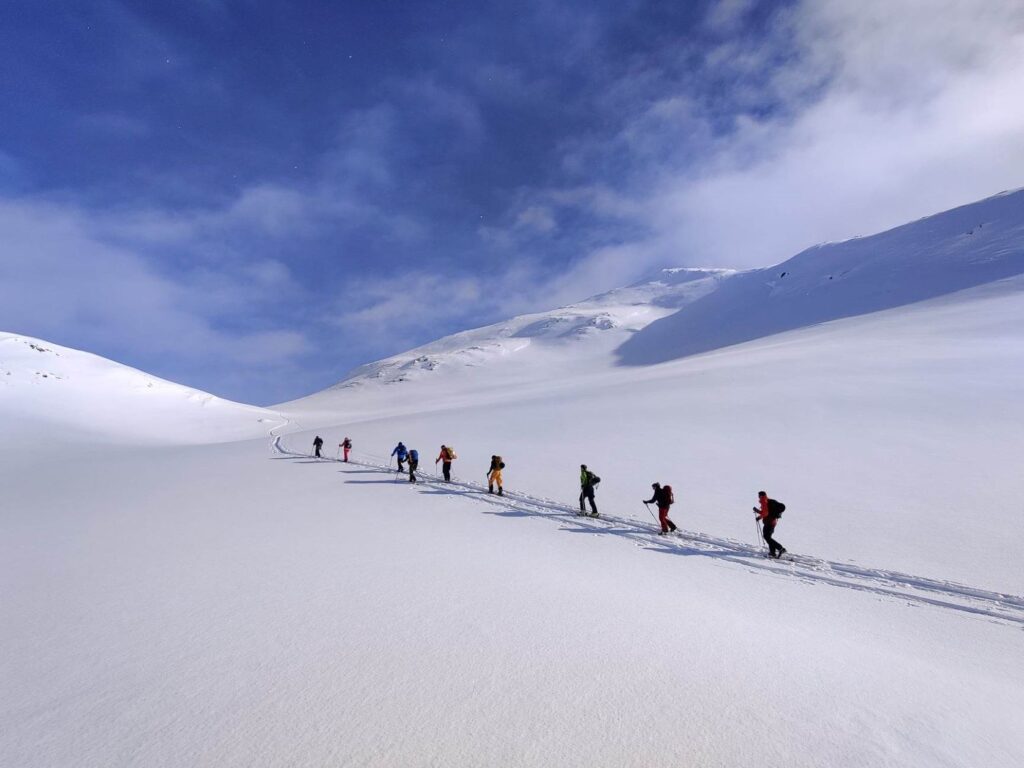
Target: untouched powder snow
48, 388
241, 603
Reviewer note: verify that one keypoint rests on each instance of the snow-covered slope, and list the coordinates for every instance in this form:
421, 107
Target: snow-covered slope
952, 251
584, 330
883, 417
569, 342
47, 389
682, 312
243, 604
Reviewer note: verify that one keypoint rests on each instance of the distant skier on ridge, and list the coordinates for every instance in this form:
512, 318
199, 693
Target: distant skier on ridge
768, 512
446, 457
318, 443
664, 498
494, 475
588, 482
400, 452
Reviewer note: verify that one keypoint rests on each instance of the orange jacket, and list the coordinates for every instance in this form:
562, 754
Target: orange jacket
763, 514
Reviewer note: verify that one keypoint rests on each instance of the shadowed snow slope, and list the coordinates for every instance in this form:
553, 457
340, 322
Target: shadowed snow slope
48, 388
941, 254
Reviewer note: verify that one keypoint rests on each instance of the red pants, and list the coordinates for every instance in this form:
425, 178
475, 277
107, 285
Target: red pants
346, 453
666, 524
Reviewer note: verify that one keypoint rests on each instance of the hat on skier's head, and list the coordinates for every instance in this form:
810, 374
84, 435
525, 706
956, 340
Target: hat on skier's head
583, 466
655, 485
761, 493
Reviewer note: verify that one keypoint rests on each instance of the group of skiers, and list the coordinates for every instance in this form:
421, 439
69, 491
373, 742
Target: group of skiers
767, 513
318, 443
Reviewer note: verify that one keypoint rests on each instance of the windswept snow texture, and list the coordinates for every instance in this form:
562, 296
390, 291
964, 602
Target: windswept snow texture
46, 388
948, 252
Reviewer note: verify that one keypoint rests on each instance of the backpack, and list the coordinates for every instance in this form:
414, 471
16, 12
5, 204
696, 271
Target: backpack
667, 495
414, 455
775, 508
451, 453
500, 463
594, 479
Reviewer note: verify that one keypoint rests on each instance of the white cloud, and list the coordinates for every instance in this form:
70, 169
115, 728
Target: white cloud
386, 310
61, 280
538, 218
848, 118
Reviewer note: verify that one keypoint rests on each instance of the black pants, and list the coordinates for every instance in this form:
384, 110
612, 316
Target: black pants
773, 545
317, 449
413, 464
400, 463
588, 494
446, 468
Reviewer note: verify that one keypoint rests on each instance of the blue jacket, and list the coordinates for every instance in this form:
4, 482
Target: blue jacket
400, 452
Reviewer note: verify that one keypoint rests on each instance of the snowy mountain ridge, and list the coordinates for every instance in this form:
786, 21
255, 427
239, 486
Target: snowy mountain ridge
673, 314
680, 312
936, 256
601, 322
81, 393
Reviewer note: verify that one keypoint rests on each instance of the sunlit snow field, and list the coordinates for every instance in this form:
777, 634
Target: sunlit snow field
182, 584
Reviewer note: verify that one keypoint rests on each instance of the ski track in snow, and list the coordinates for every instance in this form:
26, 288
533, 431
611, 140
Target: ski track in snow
914, 590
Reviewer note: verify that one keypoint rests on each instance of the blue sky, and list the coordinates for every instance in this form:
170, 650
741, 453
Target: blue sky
254, 197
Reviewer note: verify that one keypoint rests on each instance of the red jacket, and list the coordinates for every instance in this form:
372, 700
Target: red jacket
763, 514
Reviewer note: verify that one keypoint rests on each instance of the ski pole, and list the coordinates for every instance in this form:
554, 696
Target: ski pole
760, 537
648, 507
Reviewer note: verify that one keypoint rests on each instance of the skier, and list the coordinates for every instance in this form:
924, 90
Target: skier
588, 481
446, 457
494, 475
414, 462
665, 499
318, 443
346, 446
400, 452
769, 513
